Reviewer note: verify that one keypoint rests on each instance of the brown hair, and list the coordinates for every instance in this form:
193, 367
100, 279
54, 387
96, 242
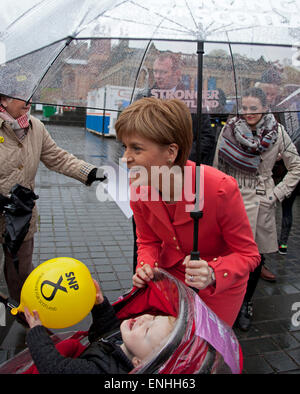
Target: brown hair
161, 121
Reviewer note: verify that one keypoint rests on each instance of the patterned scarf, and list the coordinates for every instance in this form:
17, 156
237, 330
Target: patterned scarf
19, 125
241, 148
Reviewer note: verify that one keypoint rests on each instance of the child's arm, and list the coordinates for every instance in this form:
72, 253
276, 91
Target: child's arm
46, 357
48, 360
104, 317
44, 353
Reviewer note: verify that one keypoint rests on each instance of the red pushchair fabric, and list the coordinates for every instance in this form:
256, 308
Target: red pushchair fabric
200, 341
153, 299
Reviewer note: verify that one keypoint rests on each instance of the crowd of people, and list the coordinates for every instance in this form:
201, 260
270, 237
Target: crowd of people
246, 168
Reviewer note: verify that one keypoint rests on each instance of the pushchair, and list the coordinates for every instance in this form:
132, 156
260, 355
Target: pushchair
200, 342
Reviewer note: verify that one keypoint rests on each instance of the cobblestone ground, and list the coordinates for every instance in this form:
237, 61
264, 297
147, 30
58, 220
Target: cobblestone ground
72, 222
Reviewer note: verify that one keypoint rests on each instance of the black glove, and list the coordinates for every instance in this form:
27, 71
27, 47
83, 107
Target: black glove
3, 201
96, 174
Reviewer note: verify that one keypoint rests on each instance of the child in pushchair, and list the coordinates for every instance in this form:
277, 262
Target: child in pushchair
163, 328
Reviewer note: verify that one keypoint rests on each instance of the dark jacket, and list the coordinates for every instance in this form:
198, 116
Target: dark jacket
207, 140
103, 356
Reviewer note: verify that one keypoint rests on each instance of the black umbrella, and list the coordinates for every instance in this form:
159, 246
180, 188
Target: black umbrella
17, 212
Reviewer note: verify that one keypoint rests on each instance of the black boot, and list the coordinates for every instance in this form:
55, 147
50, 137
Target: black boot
244, 319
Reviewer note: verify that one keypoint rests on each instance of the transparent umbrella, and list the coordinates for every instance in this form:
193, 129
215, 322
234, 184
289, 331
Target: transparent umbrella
103, 55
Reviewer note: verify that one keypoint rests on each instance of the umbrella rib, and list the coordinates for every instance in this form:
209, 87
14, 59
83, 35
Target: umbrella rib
138, 71
183, 28
95, 18
149, 24
43, 76
24, 14
234, 75
192, 16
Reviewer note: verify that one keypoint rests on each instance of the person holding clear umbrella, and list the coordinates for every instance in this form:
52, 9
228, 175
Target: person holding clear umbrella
167, 72
247, 149
24, 142
157, 137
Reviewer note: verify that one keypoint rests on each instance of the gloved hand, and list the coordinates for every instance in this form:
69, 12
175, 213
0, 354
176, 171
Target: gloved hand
100, 175
96, 174
3, 201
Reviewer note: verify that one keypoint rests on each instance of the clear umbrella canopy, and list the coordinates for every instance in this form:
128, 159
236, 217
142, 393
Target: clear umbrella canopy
79, 53
102, 55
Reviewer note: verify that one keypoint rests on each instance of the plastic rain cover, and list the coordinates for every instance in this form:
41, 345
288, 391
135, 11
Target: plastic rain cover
200, 341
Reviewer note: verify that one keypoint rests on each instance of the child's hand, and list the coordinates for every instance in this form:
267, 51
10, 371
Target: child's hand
99, 295
33, 319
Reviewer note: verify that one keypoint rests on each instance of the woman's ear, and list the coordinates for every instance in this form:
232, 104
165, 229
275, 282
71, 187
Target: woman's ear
136, 361
173, 151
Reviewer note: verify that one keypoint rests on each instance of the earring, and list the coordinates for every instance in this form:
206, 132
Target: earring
169, 161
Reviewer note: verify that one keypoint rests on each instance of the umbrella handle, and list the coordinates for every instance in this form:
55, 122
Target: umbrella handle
195, 255
196, 215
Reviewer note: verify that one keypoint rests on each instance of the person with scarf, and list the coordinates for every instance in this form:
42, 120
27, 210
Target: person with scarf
247, 149
24, 142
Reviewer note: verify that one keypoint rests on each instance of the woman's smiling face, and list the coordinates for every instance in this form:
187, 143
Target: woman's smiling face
143, 155
253, 110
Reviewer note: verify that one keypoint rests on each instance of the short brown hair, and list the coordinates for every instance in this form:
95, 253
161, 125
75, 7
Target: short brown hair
161, 121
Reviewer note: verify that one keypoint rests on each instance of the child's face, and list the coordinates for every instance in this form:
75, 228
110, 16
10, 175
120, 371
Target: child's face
145, 333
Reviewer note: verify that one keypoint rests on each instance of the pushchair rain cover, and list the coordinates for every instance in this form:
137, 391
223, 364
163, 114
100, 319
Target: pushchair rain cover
200, 342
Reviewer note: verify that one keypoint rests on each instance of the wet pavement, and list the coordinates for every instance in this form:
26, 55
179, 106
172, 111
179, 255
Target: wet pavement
72, 222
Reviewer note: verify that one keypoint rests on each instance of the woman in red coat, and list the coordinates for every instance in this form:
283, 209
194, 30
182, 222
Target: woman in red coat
157, 136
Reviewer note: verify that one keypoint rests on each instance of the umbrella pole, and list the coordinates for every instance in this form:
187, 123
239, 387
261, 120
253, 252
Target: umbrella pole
196, 214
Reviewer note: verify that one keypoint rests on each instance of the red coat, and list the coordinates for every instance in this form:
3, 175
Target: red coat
225, 238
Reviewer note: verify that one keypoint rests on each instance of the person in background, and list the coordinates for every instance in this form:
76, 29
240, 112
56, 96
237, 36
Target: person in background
247, 149
157, 137
167, 72
24, 143
270, 83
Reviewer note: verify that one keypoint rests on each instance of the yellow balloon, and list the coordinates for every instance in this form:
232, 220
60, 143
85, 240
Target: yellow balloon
61, 290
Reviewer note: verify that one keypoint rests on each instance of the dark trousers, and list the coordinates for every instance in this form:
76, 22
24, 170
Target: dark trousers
15, 279
287, 216
253, 280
